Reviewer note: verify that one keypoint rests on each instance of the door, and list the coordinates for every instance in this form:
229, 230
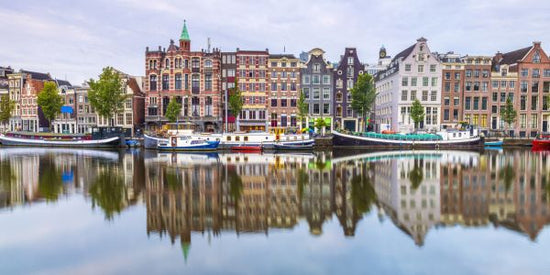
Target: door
545, 126
494, 123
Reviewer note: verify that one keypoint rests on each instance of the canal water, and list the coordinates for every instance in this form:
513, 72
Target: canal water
399, 212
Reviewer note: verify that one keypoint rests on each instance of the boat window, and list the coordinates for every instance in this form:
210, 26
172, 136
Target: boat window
228, 138
454, 134
245, 138
237, 138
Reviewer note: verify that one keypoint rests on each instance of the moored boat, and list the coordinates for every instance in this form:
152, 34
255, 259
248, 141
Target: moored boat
294, 146
444, 139
494, 143
187, 143
247, 148
100, 138
542, 141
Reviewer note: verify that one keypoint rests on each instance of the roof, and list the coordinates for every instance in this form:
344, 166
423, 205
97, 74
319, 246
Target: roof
405, 52
62, 82
172, 47
184, 32
277, 56
37, 75
514, 56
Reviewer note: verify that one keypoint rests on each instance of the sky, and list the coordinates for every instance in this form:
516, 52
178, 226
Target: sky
74, 39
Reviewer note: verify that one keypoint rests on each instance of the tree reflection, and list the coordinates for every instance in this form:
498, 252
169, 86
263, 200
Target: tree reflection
108, 191
362, 193
416, 175
235, 185
301, 179
172, 179
507, 174
50, 183
7, 176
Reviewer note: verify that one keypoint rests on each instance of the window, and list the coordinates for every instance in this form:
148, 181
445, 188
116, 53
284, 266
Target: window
476, 103
447, 87
433, 96
536, 58
208, 82
494, 84
165, 82
306, 79
208, 63
283, 86
476, 86
485, 74
195, 63
326, 79
273, 64
512, 84
468, 86
404, 81
407, 67
536, 73
524, 72
432, 68
467, 103
546, 72
502, 97
476, 73
326, 93
522, 121
413, 95
425, 81
413, 81
315, 93
273, 86
306, 92
424, 95
523, 102
273, 102
446, 101
420, 68
434, 81
447, 76
404, 95
457, 87
284, 102
534, 102
484, 103
178, 82
293, 102
446, 115
468, 73
153, 82
524, 86
326, 108
316, 79
167, 63
316, 68
195, 81
316, 108
535, 87
293, 86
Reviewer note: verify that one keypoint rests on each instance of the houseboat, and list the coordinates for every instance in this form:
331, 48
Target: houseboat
542, 141
449, 139
101, 137
187, 143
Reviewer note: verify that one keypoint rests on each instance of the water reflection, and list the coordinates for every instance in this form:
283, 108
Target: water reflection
252, 194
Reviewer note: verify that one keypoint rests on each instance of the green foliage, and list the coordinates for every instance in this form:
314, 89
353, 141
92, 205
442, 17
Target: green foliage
363, 96
235, 185
50, 101
507, 174
235, 100
6, 108
7, 175
107, 94
108, 192
508, 114
302, 108
173, 110
50, 183
320, 124
416, 175
363, 195
302, 179
417, 112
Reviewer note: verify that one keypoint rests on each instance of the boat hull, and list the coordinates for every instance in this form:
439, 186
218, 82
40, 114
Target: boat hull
494, 144
100, 143
541, 144
345, 140
209, 146
151, 142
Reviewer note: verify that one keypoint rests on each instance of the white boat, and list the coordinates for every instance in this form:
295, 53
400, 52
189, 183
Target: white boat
100, 137
187, 142
263, 139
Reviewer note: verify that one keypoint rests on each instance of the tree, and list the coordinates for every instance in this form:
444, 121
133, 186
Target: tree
320, 124
50, 101
107, 95
302, 108
508, 114
236, 102
417, 113
6, 108
363, 95
173, 110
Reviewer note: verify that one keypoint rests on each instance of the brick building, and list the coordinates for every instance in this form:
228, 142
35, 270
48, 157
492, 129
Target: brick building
284, 92
24, 87
477, 96
344, 76
229, 72
253, 81
192, 78
452, 88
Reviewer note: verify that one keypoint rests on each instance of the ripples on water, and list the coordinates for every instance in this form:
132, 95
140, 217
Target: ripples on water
390, 201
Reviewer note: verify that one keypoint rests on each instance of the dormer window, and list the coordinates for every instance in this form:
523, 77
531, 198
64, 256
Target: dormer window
421, 47
316, 68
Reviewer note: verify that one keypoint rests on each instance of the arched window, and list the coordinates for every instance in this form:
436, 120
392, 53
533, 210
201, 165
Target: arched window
165, 82
167, 63
153, 82
150, 64
208, 63
178, 82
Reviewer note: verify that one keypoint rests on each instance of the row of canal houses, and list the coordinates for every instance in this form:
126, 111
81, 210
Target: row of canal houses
453, 88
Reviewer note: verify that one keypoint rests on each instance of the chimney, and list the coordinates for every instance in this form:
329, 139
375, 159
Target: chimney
536, 43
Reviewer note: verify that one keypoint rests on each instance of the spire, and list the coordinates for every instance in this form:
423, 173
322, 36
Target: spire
184, 33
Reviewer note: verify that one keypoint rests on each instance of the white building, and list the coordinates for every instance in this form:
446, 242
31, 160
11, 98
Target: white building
383, 62
414, 73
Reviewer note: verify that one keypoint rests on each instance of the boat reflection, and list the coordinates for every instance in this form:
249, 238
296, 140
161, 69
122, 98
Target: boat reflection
235, 193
